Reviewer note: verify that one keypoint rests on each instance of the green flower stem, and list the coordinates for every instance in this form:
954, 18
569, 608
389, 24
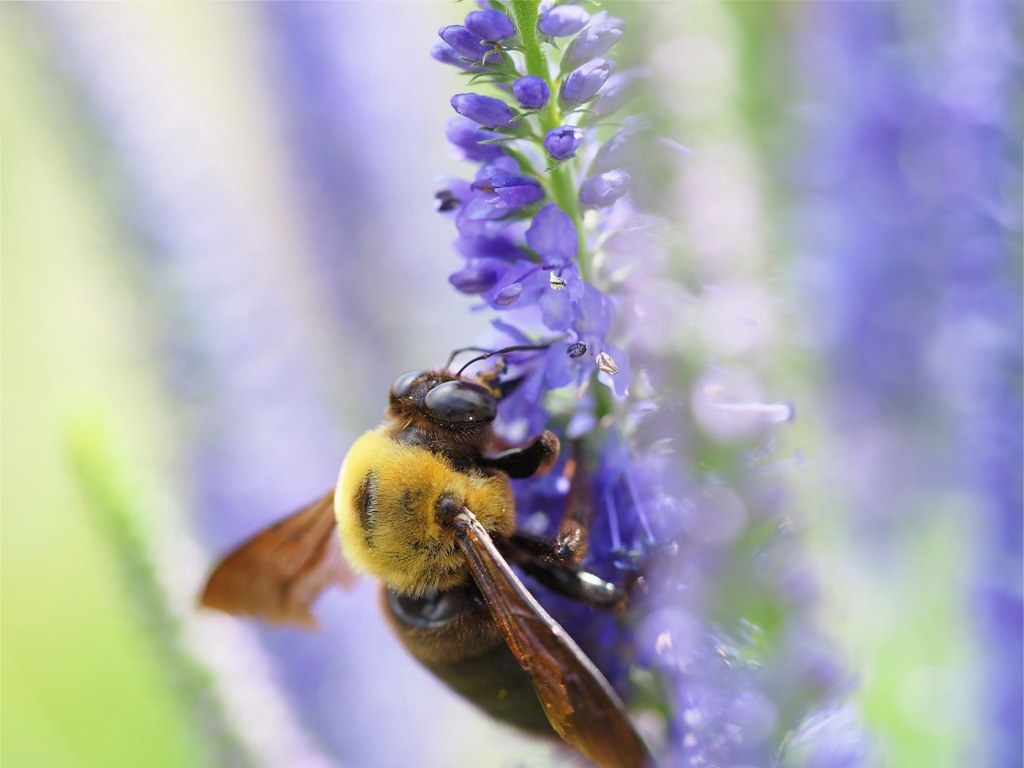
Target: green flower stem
524, 13
603, 402
561, 184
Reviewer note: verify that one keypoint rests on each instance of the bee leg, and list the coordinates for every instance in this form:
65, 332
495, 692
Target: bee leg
545, 561
578, 584
537, 457
555, 564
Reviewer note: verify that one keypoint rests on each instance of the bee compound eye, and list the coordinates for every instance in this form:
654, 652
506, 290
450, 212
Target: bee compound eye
430, 610
403, 385
460, 402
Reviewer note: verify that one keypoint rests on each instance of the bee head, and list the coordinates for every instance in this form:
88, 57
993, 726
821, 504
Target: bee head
445, 398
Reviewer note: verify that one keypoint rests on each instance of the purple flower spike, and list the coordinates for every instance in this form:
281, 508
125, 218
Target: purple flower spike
490, 25
563, 20
562, 142
592, 41
486, 110
465, 42
531, 91
584, 83
553, 235
604, 188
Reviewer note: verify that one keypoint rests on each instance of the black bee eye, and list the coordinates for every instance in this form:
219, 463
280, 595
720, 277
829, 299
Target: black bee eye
460, 402
402, 386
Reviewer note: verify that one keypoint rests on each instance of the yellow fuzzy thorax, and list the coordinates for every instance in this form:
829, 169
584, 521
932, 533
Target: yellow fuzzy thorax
386, 503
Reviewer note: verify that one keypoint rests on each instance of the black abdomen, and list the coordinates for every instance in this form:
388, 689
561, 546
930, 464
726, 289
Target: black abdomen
453, 635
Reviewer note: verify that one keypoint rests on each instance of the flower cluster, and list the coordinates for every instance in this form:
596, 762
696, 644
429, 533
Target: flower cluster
545, 208
532, 225
523, 231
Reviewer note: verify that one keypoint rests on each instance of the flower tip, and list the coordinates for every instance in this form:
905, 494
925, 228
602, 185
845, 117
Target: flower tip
531, 92
485, 110
603, 189
562, 142
584, 82
491, 24
563, 20
464, 42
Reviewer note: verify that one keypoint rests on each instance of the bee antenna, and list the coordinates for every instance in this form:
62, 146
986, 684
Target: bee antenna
488, 353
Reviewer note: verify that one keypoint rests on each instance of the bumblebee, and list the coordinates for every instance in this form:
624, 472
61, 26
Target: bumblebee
424, 504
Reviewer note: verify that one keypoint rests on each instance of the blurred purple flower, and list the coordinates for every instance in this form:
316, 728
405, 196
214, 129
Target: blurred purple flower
911, 148
469, 137
598, 38
604, 188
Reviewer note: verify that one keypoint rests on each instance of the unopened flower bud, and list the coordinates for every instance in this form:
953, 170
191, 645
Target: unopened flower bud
470, 138
592, 41
584, 83
465, 42
531, 91
562, 142
486, 110
563, 20
490, 25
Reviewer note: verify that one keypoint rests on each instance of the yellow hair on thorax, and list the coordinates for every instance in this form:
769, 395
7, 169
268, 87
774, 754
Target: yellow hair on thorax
386, 503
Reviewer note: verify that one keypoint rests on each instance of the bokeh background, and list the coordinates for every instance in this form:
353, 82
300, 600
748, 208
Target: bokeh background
220, 246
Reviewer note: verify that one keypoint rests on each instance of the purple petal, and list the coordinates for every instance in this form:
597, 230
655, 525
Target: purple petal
465, 42
595, 313
508, 295
490, 25
592, 41
616, 152
584, 83
604, 188
553, 235
475, 278
486, 110
531, 91
468, 136
563, 20
562, 142
519, 191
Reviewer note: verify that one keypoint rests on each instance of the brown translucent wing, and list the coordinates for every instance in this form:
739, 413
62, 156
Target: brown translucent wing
579, 702
278, 573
